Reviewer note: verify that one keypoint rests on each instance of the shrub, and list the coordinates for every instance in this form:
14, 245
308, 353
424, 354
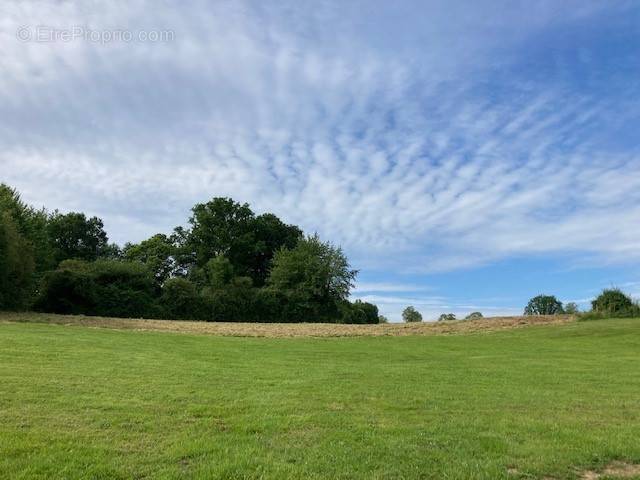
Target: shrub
411, 315
544, 305
614, 303
382, 319
180, 300
447, 317
474, 316
359, 312
67, 292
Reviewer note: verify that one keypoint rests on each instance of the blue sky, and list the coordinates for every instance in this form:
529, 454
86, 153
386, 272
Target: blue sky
466, 155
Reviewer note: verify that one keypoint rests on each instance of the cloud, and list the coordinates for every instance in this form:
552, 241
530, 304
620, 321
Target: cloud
411, 140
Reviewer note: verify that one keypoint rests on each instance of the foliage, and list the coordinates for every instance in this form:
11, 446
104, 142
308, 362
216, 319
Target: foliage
382, 319
180, 300
571, 308
544, 305
157, 252
314, 278
615, 303
474, 316
16, 265
447, 317
411, 315
359, 312
74, 236
229, 265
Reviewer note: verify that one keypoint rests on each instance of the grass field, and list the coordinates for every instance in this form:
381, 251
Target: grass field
548, 401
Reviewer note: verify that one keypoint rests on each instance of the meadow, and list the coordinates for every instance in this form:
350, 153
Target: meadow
557, 401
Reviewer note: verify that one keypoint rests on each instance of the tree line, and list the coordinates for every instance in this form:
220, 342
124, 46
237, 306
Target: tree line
229, 264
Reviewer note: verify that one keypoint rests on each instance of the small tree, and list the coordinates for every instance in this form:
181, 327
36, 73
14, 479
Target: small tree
382, 319
447, 317
614, 302
544, 305
411, 315
571, 308
474, 316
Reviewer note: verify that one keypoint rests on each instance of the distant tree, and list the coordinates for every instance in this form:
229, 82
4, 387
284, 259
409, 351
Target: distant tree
447, 317
157, 253
314, 277
571, 308
382, 319
218, 272
544, 305
411, 315
73, 235
613, 301
474, 316
16, 265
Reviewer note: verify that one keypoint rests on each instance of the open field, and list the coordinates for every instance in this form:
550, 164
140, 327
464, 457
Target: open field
274, 330
555, 401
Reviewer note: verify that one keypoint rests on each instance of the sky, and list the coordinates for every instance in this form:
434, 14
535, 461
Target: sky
465, 155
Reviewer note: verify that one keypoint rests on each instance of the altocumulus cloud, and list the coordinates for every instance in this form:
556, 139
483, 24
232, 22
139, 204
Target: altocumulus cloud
418, 137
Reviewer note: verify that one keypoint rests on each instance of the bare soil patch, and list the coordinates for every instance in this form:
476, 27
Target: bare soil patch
291, 329
613, 470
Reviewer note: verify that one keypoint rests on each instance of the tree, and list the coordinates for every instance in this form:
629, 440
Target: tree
474, 316
571, 308
16, 265
271, 234
222, 227
314, 277
544, 305
613, 301
73, 235
382, 319
157, 252
411, 315
30, 224
447, 317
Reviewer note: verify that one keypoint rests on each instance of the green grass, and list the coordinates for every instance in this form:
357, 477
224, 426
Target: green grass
78, 402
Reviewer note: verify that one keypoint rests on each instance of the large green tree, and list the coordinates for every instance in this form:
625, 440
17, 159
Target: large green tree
74, 236
314, 277
157, 253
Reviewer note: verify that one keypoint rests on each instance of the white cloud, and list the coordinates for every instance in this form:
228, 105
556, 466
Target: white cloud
395, 152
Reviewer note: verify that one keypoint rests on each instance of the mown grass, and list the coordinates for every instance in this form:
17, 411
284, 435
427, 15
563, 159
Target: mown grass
78, 402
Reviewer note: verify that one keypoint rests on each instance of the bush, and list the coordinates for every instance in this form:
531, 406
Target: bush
411, 315
614, 303
474, 316
67, 292
107, 288
447, 317
359, 312
544, 305
382, 319
180, 300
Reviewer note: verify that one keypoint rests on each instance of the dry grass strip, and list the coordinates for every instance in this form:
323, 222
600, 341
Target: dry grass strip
286, 330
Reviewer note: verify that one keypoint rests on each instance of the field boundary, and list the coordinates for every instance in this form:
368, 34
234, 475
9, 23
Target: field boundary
290, 330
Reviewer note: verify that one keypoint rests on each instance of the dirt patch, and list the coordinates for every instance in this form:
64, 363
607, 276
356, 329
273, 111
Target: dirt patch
291, 329
613, 470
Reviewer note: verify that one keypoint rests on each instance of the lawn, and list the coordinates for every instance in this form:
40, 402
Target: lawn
550, 400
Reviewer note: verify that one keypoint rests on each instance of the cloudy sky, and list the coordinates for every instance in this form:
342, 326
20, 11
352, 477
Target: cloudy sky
466, 155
